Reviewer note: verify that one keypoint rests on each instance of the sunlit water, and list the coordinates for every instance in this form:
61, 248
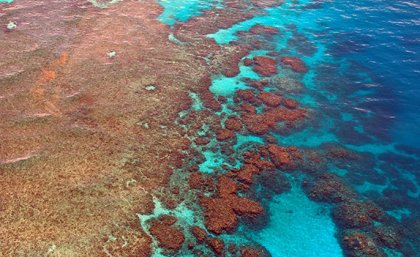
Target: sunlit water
363, 79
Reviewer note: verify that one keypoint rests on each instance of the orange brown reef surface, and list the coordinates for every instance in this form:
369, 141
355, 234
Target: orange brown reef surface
86, 137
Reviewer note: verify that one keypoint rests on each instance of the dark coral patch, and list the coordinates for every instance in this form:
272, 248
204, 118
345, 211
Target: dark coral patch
224, 134
245, 95
199, 233
290, 103
249, 251
352, 214
217, 245
168, 236
263, 30
329, 188
261, 123
270, 99
248, 62
294, 63
357, 243
265, 66
221, 211
284, 157
389, 236
202, 141
233, 123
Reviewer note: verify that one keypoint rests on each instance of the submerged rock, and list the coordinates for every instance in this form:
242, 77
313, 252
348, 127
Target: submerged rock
284, 157
265, 66
224, 134
217, 245
263, 30
221, 211
199, 234
248, 62
270, 99
352, 214
357, 243
388, 236
233, 123
290, 103
166, 234
295, 63
250, 251
329, 188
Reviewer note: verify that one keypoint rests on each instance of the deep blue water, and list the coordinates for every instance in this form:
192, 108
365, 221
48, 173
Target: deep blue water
384, 37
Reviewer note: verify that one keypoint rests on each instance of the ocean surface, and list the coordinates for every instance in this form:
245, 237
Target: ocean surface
363, 86
363, 80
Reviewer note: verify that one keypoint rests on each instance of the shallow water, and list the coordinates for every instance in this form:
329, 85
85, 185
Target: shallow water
361, 90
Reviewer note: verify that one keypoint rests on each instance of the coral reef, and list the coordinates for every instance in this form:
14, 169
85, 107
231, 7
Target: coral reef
359, 244
329, 188
221, 211
265, 66
294, 63
168, 236
270, 99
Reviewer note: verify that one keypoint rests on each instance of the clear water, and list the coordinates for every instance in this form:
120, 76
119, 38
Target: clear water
183, 10
364, 64
299, 227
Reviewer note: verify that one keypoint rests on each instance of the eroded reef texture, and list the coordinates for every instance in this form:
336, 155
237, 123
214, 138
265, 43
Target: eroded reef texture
98, 128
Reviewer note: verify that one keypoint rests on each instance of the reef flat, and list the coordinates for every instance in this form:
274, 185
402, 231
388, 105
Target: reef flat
166, 128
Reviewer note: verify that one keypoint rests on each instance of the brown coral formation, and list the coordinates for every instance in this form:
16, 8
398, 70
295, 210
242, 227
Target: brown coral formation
221, 211
352, 215
70, 160
294, 63
263, 30
329, 188
265, 66
233, 123
168, 236
82, 163
262, 122
270, 99
290, 103
359, 244
217, 245
224, 134
199, 233
248, 62
284, 157
246, 173
356, 214
249, 251
388, 236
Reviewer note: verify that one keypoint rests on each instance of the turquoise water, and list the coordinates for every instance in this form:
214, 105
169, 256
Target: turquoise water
6, 1
182, 10
363, 86
299, 227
